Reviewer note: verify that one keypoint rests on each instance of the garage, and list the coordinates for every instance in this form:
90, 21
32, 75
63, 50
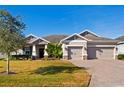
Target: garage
100, 53
75, 52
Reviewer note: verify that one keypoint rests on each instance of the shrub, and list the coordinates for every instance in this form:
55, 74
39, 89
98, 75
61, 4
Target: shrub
121, 56
2, 59
54, 50
14, 57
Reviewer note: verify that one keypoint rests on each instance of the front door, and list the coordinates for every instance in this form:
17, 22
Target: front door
41, 53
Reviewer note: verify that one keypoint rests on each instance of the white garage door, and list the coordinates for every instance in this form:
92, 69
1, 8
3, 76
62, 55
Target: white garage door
100, 53
75, 52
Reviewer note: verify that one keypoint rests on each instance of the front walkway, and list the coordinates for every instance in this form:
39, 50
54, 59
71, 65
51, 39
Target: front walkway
105, 73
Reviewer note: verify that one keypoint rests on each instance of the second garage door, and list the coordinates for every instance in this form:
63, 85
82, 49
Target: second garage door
100, 53
75, 52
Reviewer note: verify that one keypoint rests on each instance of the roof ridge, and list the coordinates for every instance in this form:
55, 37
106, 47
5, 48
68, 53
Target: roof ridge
87, 30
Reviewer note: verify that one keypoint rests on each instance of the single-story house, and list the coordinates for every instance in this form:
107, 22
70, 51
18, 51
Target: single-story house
120, 45
88, 45
84, 45
35, 47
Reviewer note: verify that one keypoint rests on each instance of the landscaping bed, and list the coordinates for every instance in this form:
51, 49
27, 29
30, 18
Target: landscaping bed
43, 73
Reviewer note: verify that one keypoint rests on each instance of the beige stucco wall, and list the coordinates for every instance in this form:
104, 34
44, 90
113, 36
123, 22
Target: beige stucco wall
74, 43
100, 44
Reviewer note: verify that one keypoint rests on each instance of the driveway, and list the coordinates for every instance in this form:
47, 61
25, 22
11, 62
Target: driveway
105, 73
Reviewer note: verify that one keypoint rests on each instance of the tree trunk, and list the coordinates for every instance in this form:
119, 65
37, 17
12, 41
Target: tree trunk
7, 68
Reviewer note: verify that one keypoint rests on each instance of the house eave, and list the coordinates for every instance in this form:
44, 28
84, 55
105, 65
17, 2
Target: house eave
89, 32
65, 39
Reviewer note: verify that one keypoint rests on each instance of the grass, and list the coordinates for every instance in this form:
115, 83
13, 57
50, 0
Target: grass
43, 73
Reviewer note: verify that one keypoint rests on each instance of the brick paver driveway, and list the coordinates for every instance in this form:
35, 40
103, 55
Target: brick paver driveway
105, 73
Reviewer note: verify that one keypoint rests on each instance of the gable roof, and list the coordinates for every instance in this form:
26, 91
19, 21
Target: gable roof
94, 37
74, 35
44, 40
121, 38
35, 39
31, 35
89, 31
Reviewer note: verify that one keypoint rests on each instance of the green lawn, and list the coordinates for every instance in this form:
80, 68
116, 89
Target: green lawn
43, 73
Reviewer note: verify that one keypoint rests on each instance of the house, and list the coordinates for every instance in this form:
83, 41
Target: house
35, 47
88, 45
2, 55
120, 45
84, 45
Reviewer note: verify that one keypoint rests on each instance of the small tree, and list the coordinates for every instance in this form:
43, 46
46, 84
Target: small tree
50, 48
54, 50
11, 35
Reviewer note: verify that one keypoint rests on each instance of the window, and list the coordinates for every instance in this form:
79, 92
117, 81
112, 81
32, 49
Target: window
27, 51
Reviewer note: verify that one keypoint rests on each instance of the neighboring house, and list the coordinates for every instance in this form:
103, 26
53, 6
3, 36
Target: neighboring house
88, 45
35, 47
120, 45
2, 55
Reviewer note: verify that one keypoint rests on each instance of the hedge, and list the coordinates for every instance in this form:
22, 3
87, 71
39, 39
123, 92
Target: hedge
20, 56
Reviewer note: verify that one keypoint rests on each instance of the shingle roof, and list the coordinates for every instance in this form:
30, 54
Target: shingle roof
95, 38
121, 38
32, 38
55, 38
